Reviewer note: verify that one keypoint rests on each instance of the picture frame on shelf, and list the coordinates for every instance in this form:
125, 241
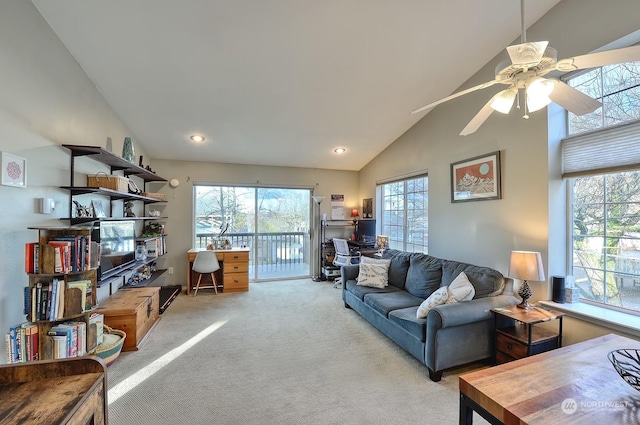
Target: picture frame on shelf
477, 178
97, 209
14, 170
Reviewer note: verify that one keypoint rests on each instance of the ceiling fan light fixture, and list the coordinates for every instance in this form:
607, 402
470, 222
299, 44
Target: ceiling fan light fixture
503, 101
538, 90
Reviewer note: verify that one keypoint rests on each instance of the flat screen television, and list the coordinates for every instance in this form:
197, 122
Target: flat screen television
366, 231
117, 245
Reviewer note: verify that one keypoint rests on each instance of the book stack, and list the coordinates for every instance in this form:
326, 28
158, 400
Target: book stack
69, 340
69, 254
46, 301
22, 342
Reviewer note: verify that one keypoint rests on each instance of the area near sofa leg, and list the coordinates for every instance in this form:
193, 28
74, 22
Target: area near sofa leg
435, 376
347, 306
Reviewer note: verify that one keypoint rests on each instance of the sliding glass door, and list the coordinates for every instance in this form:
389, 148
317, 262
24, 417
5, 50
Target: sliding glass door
272, 222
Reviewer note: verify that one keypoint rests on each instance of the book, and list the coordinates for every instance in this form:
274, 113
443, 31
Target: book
30, 257
27, 302
97, 320
61, 300
7, 343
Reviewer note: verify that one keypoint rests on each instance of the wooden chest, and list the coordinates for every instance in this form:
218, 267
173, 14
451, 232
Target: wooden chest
133, 310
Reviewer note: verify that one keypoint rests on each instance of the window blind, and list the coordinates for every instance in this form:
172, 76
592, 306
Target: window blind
605, 151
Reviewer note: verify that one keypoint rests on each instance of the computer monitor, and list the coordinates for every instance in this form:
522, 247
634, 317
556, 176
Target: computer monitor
366, 231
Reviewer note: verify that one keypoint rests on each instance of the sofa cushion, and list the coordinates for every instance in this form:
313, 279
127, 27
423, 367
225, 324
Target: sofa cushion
384, 303
407, 320
486, 281
460, 289
439, 297
399, 266
424, 275
373, 275
361, 291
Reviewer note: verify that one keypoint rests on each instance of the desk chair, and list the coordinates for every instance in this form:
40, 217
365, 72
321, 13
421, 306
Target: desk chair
344, 257
206, 262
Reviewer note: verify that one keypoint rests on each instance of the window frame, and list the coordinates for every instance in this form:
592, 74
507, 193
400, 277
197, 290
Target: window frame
404, 244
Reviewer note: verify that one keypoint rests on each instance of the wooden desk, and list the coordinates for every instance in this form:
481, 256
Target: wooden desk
233, 273
571, 385
62, 391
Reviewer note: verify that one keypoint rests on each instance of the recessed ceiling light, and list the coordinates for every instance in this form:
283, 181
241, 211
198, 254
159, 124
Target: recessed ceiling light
339, 150
197, 138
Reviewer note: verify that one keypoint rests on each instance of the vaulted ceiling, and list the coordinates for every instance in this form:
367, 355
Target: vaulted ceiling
280, 82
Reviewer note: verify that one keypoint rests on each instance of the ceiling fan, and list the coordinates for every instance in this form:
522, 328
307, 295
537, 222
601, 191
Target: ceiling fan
525, 70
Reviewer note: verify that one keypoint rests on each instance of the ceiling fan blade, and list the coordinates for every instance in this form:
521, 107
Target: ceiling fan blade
571, 99
592, 60
480, 118
527, 55
453, 96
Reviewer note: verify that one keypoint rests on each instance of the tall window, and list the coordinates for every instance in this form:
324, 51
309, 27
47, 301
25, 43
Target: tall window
601, 158
272, 222
405, 217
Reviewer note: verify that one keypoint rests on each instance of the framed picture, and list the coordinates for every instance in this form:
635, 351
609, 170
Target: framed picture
14, 170
97, 209
367, 208
476, 179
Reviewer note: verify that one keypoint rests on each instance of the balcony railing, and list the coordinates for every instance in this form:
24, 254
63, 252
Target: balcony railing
278, 255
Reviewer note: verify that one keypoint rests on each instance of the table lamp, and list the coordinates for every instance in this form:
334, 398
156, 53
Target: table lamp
526, 265
354, 215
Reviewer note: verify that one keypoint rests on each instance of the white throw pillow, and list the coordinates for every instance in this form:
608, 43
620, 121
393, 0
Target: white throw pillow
373, 275
461, 289
438, 297
369, 260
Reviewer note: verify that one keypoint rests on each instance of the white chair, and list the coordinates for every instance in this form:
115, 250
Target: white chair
206, 262
344, 256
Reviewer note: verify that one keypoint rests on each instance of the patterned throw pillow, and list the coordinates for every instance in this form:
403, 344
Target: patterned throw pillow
461, 289
373, 275
438, 297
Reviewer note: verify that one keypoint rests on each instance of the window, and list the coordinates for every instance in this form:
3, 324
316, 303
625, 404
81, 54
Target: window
601, 159
272, 222
405, 213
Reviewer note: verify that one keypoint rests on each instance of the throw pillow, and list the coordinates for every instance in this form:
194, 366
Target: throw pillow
373, 275
438, 297
460, 289
369, 260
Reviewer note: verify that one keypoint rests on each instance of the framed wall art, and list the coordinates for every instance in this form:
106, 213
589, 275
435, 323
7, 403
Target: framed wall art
14, 170
476, 179
367, 208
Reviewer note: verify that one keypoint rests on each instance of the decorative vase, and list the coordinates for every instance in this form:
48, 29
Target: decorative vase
127, 150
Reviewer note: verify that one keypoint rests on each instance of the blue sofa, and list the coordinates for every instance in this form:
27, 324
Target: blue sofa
451, 334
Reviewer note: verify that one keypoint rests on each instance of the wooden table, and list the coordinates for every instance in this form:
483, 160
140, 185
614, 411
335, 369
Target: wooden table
62, 391
571, 385
233, 273
525, 338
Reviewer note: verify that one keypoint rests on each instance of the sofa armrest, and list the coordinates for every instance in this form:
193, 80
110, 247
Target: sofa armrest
461, 313
349, 272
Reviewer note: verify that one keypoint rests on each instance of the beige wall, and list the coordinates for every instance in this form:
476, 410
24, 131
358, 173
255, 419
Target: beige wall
179, 209
533, 195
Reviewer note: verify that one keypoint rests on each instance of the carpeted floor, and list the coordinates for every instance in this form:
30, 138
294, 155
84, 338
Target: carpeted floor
286, 352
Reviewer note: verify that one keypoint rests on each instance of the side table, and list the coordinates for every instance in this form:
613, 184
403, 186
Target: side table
523, 338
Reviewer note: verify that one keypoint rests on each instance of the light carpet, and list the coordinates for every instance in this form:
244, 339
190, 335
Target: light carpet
286, 352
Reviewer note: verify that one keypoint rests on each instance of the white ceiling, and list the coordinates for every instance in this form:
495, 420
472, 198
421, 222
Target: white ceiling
280, 82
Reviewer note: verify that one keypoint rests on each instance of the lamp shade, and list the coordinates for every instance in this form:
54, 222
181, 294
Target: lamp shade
354, 213
526, 265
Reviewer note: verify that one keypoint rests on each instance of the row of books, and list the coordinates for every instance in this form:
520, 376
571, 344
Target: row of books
73, 253
46, 301
68, 339
22, 342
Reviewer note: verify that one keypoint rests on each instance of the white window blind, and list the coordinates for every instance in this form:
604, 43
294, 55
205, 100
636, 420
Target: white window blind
609, 150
